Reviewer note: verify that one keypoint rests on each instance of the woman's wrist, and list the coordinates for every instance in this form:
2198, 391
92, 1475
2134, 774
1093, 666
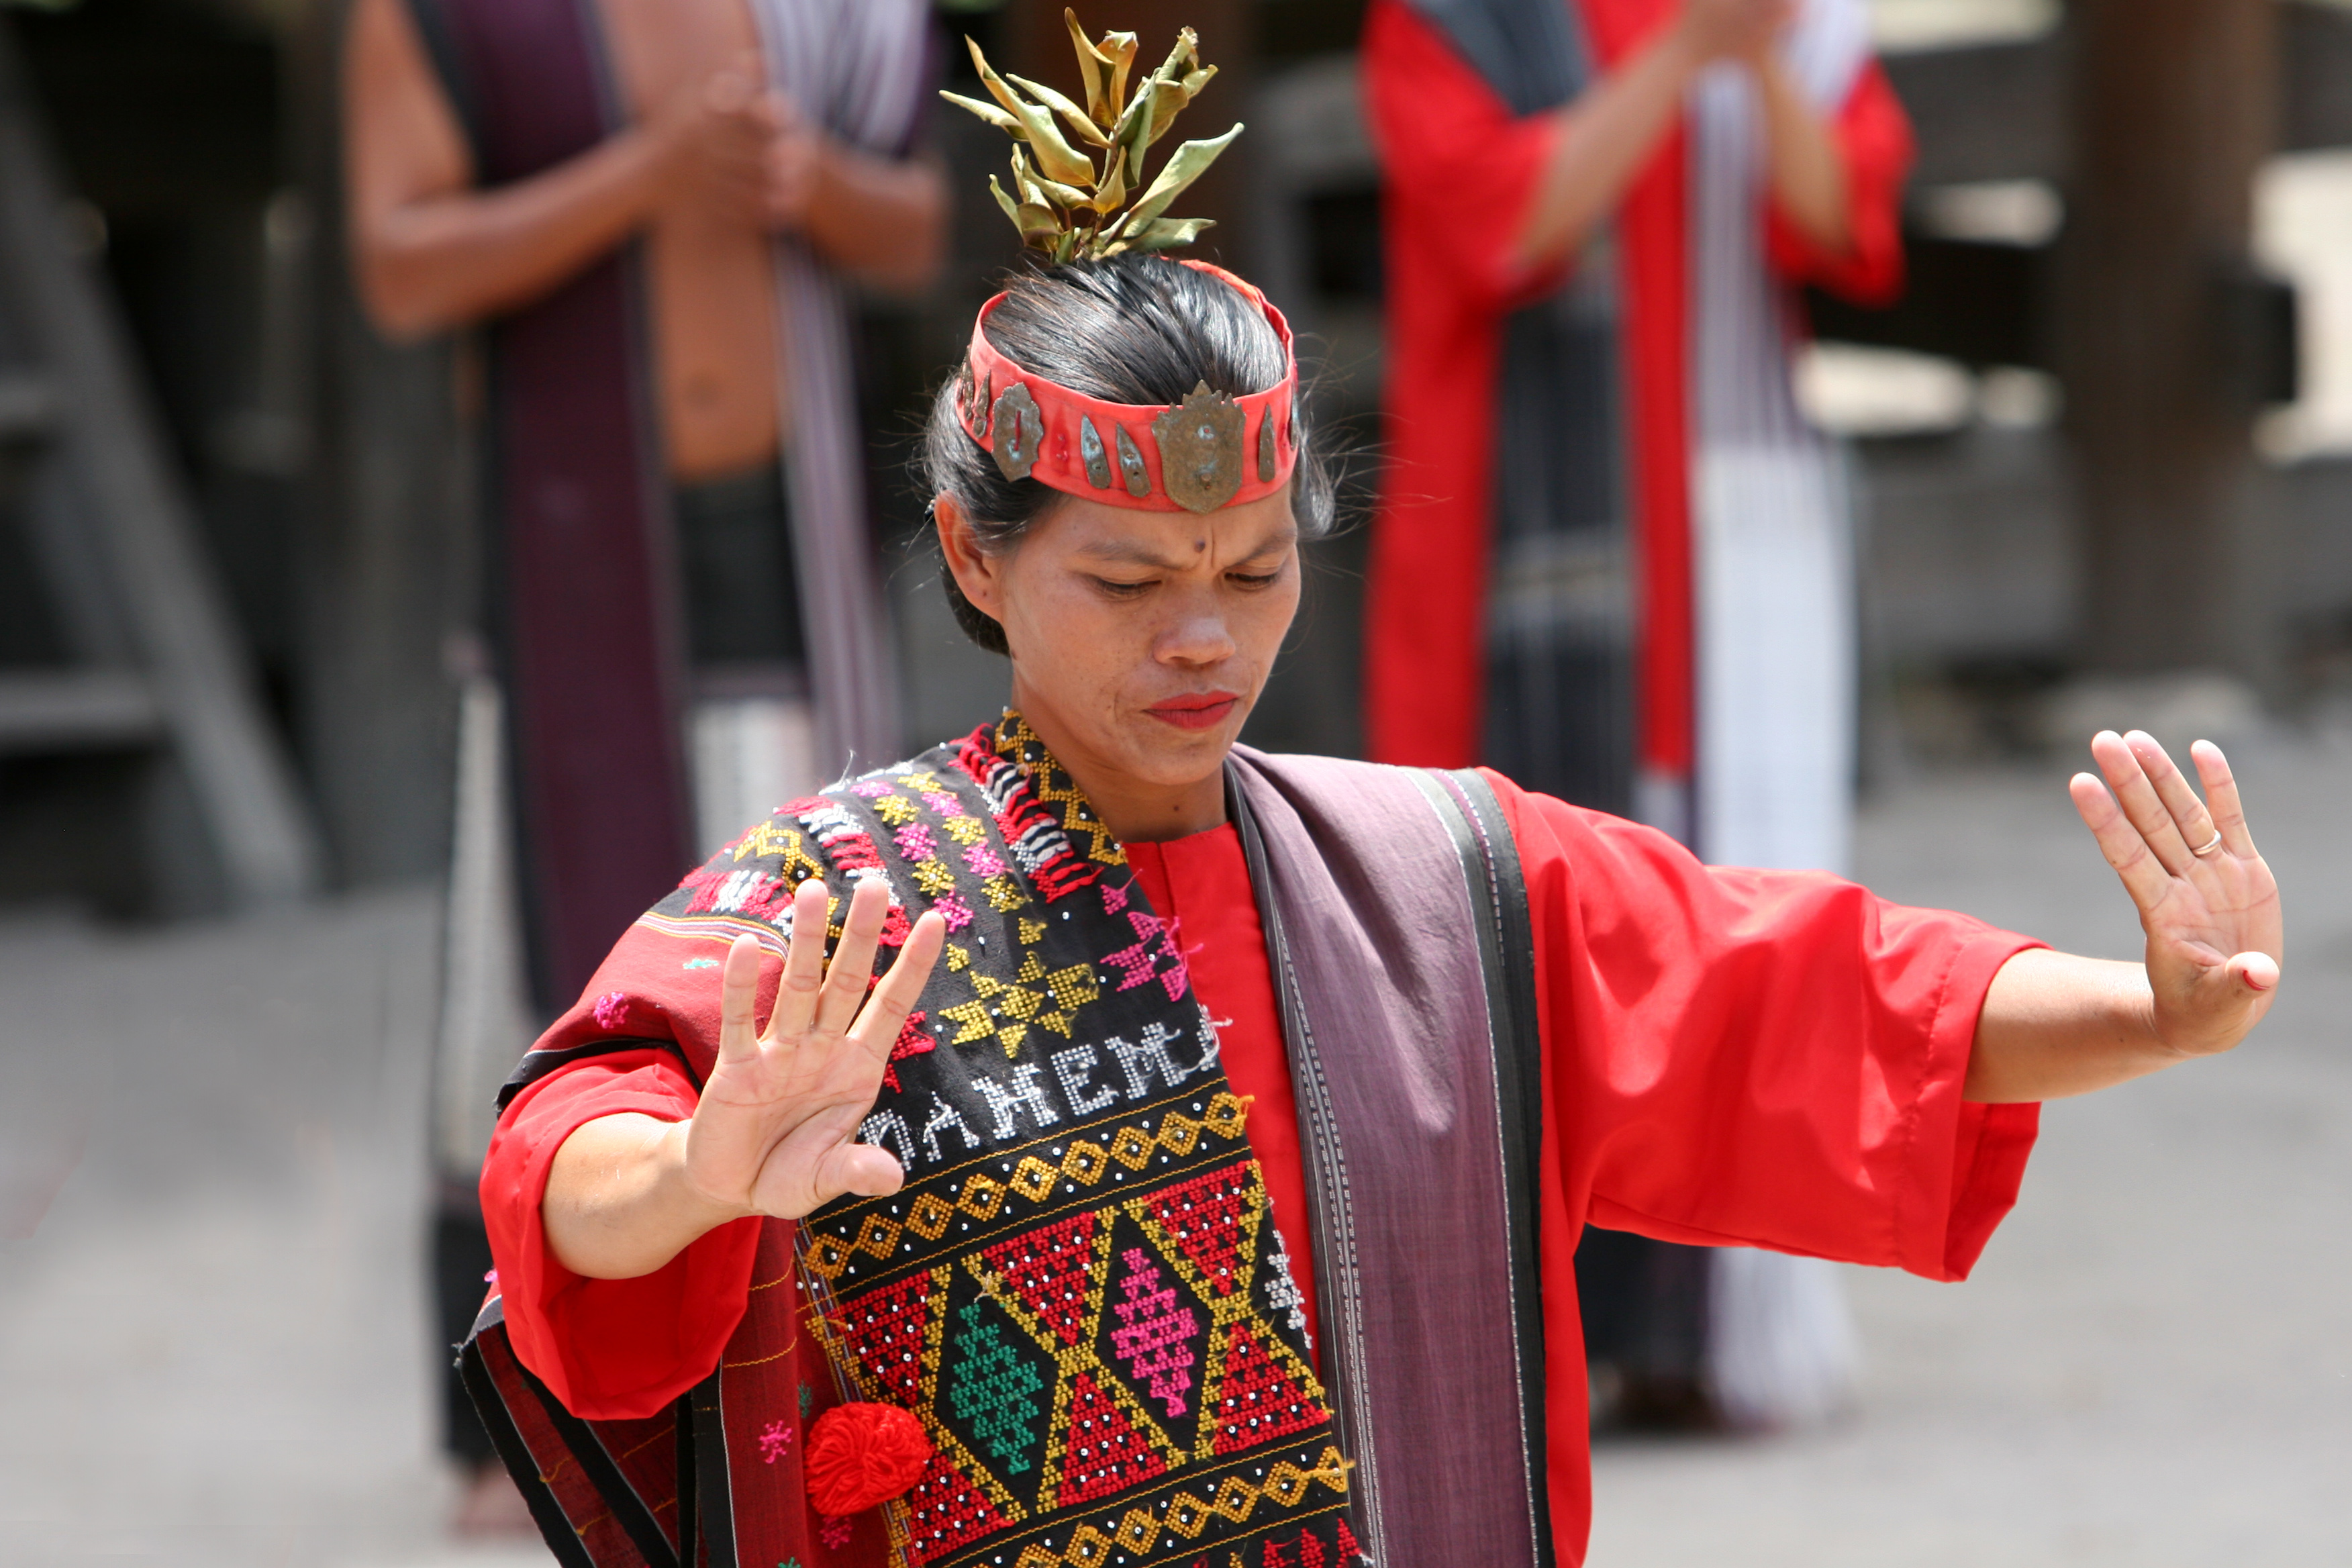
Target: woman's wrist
689, 1204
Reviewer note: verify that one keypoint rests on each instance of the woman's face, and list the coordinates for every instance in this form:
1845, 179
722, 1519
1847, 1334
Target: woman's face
1141, 639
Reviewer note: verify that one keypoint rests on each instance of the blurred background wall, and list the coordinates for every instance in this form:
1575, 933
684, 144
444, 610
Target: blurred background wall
2107, 438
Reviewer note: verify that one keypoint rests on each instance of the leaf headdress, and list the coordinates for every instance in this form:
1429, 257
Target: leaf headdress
1070, 194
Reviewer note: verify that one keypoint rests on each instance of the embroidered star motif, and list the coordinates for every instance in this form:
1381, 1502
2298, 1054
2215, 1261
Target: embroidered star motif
1155, 940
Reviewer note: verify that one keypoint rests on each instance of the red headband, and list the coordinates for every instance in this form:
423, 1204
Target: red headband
1211, 450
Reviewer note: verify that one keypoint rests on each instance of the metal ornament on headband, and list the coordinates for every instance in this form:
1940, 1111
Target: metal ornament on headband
1211, 450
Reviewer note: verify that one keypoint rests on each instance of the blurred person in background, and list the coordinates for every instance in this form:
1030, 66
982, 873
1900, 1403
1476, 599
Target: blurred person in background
653, 211
1597, 211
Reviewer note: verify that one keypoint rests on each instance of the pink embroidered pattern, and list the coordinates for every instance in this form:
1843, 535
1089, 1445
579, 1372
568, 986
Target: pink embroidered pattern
915, 842
835, 1532
984, 861
872, 789
774, 1438
1151, 1341
612, 1009
1139, 962
954, 911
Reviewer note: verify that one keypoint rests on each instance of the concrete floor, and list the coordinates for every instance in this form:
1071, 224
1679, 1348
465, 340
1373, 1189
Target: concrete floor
213, 1351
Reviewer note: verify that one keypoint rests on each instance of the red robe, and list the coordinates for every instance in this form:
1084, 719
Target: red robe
1769, 1059
1460, 171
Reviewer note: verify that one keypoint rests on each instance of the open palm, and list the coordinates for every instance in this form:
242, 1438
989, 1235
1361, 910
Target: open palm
775, 1131
2206, 898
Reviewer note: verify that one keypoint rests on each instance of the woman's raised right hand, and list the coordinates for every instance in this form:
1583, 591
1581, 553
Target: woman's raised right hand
774, 1131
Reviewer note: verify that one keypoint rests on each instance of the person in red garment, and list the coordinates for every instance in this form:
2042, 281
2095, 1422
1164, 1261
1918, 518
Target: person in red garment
1198, 1178
1610, 559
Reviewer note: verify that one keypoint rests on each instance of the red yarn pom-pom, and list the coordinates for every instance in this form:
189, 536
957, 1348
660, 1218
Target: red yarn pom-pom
859, 1455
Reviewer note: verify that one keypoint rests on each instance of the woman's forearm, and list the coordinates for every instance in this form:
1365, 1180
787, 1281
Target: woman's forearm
1808, 170
2056, 1025
883, 219
618, 1203
446, 260
1604, 136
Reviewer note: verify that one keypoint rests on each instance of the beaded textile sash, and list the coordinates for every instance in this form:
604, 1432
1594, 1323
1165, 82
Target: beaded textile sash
1078, 1291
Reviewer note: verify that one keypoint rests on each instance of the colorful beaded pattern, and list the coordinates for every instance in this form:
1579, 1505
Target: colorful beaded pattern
1076, 1291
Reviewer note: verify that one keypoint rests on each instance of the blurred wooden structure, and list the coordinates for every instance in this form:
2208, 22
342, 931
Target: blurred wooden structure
321, 479
153, 657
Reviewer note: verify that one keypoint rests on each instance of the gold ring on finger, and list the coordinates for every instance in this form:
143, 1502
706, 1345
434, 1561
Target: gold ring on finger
2209, 849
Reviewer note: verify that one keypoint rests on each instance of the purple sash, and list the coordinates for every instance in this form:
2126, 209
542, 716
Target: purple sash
1396, 924
581, 589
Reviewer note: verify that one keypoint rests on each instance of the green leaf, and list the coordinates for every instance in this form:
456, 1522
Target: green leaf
1078, 121
1184, 165
987, 112
1056, 156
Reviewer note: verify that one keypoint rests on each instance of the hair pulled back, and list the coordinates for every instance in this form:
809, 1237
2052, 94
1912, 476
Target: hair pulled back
1132, 329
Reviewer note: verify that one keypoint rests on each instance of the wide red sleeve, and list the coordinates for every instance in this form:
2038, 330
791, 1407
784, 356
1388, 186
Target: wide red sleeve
1770, 1058
1457, 172
1873, 135
1458, 169
609, 1348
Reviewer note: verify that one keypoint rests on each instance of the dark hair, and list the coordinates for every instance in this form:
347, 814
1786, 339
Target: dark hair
1134, 329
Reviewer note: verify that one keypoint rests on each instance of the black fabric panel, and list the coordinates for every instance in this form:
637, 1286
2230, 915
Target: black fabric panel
1528, 50
461, 1256
735, 553
563, 1543
629, 1510
714, 1495
536, 1064
1560, 640
441, 51
689, 1521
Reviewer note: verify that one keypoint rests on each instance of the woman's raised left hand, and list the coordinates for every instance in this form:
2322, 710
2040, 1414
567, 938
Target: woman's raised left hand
2206, 898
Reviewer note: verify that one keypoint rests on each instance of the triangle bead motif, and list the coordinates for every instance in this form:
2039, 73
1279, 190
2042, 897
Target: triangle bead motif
1205, 1219
1046, 1272
1257, 1399
1103, 1451
886, 1332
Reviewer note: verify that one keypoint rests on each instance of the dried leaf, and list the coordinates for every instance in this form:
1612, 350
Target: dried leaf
1111, 189
987, 112
1025, 178
1122, 47
1056, 156
1077, 117
1161, 234
1168, 100
1012, 208
1039, 225
1093, 65
1065, 196
1184, 165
